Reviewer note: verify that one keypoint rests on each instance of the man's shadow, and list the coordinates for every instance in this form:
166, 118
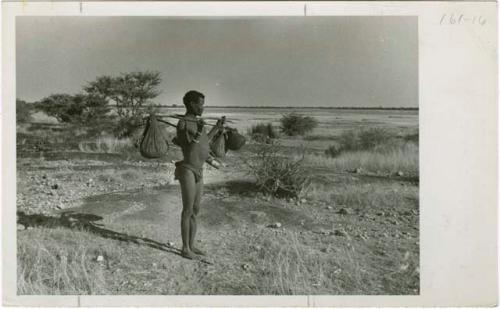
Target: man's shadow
87, 222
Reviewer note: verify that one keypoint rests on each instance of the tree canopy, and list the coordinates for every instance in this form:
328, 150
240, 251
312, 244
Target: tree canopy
129, 91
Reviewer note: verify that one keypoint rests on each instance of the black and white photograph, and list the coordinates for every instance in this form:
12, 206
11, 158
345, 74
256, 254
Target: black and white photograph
217, 155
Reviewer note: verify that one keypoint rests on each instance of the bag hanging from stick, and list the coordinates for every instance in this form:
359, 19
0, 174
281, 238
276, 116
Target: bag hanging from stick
218, 145
153, 144
234, 139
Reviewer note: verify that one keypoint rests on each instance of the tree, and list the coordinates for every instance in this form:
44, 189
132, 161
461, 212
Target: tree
96, 108
64, 107
129, 91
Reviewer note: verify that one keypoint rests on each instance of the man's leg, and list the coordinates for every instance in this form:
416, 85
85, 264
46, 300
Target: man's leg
196, 210
188, 190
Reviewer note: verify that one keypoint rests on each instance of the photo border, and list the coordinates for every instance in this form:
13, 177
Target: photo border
458, 149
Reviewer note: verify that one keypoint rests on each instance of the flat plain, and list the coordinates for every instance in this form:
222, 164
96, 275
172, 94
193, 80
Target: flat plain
94, 217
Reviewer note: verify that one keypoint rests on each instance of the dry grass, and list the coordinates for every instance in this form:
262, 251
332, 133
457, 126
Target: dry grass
106, 144
364, 196
47, 266
285, 264
404, 159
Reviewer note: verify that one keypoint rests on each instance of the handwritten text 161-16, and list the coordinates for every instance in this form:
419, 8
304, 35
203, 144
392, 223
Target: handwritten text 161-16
461, 19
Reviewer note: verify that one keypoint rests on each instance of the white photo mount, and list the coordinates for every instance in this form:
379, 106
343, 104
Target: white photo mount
458, 112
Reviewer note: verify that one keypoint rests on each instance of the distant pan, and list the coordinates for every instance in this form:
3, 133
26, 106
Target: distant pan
179, 116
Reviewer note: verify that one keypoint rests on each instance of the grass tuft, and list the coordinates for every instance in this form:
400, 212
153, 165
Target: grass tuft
106, 144
49, 267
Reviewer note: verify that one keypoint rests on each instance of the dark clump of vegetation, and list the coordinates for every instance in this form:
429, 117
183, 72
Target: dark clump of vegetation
80, 108
320, 137
263, 132
23, 111
276, 173
294, 124
378, 139
364, 139
411, 137
333, 151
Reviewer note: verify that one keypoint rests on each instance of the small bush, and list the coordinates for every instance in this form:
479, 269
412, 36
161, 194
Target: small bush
295, 124
348, 140
262, 132
276, 173
372, 137
364, 139
333, 151
411, 137
23, 111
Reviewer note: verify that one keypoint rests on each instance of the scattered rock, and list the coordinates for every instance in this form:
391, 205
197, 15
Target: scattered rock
345, 211
258, 216
20, 227
245, 266
358, 170
400, 173
323, 232
100, 258
326, 250
303, 201
170, 244
340, 233
363, 236
329, 207
275, 225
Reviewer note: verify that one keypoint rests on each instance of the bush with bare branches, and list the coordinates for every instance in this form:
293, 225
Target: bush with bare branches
277, 173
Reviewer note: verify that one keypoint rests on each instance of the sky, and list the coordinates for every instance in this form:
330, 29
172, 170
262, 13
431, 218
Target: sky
262, 61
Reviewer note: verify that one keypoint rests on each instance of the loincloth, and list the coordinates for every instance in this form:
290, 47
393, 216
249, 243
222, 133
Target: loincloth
181, 167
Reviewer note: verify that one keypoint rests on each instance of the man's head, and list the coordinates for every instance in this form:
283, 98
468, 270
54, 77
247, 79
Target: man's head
194, 100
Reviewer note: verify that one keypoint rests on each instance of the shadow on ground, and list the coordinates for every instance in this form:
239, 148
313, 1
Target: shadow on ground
88, 223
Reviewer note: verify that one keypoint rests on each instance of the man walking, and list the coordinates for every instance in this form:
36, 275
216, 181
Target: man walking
194, 141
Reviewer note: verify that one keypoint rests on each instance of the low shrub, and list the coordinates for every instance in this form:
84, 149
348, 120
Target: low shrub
364, 139
23, 111
411, 137
333, 151
262, 132
276, 173
294, 124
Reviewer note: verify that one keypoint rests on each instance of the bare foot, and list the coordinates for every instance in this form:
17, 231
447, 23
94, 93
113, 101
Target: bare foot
188, 254
197, 251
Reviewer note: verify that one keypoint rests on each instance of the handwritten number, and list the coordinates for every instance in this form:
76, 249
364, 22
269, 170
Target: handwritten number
442, 19
452, 19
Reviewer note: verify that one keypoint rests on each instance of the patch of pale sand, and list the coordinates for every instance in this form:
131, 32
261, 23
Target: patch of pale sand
211, 175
